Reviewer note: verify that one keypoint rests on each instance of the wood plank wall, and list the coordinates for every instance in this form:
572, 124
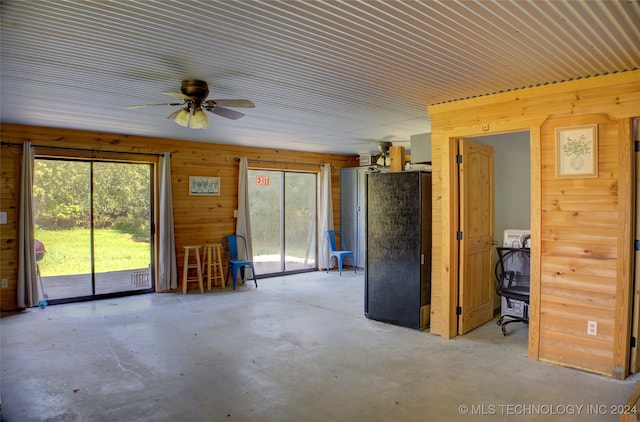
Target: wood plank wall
581, 228
579, 251
197, 219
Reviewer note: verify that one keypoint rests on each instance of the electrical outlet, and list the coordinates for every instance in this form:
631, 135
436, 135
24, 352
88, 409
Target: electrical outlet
592, 328
5, 283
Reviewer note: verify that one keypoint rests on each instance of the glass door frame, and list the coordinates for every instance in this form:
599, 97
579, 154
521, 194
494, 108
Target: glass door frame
152, 196
283, 222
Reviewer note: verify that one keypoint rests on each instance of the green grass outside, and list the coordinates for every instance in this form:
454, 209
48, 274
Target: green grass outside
69, 251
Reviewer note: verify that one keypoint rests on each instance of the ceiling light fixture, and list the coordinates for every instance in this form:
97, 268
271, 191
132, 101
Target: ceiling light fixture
199, 119
193, 93
193, 116
181, 117
383, 147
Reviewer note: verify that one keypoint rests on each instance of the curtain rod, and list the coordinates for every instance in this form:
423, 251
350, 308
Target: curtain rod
279, 162
15, 144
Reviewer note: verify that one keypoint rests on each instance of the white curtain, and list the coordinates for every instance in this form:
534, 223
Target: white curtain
167, 264
243, 223
326, 214
28, 293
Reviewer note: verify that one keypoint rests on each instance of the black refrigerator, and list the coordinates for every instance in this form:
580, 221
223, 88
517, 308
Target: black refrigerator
398, 239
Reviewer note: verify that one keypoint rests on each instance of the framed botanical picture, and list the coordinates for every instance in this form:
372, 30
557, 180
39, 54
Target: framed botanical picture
204, 185
577, 151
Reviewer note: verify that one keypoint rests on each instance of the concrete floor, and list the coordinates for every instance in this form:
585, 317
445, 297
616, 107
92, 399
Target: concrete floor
296, 349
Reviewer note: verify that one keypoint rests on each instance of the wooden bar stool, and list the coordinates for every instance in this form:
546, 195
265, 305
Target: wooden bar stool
213, 256
187, 266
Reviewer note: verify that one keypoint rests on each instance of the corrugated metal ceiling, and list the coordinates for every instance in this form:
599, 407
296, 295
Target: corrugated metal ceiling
328, 76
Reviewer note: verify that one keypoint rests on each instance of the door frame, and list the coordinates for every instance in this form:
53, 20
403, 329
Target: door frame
282, 220
634, 359
451, 296
153, 178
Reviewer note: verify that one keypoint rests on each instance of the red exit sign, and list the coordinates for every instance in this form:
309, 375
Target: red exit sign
262, 180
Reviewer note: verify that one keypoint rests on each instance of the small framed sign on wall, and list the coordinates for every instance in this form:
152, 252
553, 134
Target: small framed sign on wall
577, 151
204, 185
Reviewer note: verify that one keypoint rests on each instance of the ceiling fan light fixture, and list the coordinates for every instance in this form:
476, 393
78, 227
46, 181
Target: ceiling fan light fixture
383, 146
181, 117
193, 93
199, 120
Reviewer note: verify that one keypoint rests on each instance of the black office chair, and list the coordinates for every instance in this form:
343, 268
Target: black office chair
513, 276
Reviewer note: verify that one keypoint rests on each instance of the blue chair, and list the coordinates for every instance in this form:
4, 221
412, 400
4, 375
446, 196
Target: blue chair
339, 254
231, 244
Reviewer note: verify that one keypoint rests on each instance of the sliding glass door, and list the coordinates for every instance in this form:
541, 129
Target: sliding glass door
94, 220
283, 221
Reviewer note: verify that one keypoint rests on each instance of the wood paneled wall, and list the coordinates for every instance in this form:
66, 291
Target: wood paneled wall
197, 219
581, 227
579, 251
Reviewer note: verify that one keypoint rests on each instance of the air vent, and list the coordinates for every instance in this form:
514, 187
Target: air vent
365, 159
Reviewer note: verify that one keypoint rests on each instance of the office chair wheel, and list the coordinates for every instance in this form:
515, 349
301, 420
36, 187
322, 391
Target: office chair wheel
499, 321
504, 330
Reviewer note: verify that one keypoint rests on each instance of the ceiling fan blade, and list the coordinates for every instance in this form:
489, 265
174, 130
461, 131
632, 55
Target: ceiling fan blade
225, 112
153, 105
231, 103
178, 95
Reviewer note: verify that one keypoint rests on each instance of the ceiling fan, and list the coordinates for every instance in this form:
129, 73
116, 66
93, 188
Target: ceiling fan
193, 93
383, 147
